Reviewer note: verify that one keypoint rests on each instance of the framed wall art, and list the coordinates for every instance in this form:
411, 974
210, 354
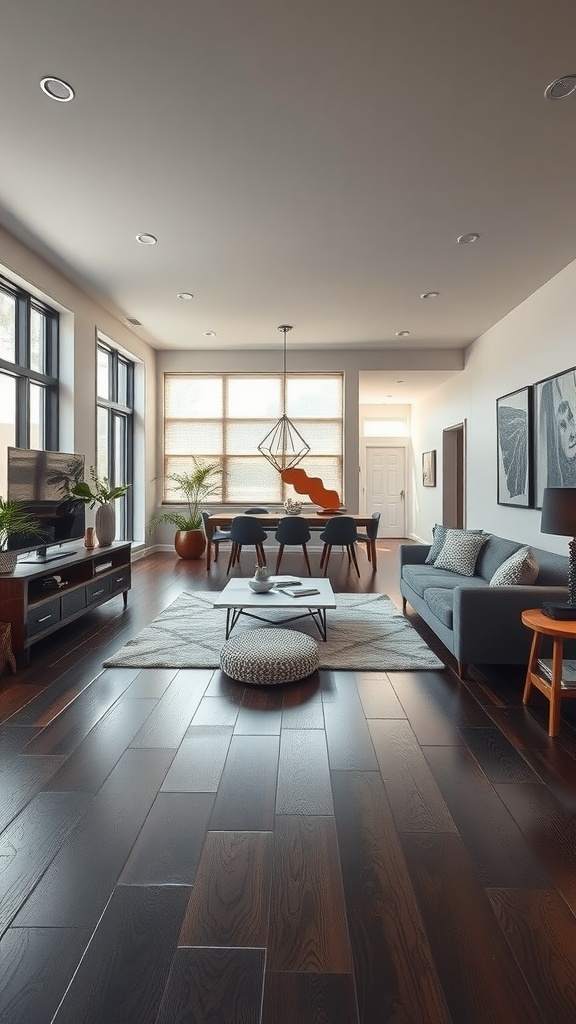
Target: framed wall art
555, 432
514, 443
429, 469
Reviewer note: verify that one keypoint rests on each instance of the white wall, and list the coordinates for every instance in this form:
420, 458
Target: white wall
81, 320
535, 340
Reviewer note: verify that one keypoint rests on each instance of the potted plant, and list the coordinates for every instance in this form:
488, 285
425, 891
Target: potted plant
100, 493
195, 486
14, 519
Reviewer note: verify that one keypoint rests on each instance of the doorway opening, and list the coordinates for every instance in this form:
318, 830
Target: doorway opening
454, 476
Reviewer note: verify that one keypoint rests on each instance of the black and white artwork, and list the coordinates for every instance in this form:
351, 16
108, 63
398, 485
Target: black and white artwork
555, 432
514, 437
429, 469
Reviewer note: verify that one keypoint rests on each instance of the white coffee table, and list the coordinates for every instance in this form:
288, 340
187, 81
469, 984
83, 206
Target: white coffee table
239, 599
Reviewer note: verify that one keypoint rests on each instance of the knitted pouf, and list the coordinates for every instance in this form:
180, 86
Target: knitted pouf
269, 656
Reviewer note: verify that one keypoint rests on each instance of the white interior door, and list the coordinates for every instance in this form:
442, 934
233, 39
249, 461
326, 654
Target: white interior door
386, 489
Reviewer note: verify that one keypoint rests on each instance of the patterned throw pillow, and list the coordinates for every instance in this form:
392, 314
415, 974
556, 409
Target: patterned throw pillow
520, 569
460, 551
438, 538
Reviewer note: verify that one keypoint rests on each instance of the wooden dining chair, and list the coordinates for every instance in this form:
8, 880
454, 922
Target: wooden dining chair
369, 539
218, 536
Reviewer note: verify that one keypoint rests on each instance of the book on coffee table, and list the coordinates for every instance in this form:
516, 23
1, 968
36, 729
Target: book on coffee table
300, 591
286, 581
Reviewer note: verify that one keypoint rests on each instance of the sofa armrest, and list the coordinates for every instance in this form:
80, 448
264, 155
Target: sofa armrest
412, 554
487, 623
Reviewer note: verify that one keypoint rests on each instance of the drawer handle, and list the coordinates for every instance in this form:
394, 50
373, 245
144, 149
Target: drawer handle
45, 618
119, 579
97, 593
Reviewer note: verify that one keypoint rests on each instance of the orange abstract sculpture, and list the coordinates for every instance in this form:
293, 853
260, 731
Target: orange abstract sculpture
312, 486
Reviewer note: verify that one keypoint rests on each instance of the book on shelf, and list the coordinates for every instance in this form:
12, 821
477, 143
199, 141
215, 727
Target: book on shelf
568, 672
300, 591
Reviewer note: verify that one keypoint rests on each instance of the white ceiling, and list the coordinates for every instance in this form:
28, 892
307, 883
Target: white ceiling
301, 161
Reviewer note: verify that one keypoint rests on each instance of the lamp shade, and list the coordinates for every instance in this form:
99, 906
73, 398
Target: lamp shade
559, 511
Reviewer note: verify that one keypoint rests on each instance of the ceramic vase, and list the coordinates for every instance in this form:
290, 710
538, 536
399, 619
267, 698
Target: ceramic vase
105, 524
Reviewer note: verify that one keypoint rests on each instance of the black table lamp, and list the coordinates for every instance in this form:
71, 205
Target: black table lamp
559, 517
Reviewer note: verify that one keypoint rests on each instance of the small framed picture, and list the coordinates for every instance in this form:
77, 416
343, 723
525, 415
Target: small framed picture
514, 443
555, 432
429, 469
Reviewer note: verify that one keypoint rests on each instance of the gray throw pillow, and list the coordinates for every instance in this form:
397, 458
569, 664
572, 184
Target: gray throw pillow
460, 551
518, 570
438, 537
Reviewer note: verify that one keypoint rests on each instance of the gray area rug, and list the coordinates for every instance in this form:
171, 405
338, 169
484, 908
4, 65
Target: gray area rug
365, 632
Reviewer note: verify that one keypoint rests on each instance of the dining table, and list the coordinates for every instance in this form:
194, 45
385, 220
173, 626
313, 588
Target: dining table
269, 520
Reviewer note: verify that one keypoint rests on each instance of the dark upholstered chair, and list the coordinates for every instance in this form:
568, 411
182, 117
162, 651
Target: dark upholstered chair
369, 539
339, 530
257, 509
292, 530
245, 530
217, 537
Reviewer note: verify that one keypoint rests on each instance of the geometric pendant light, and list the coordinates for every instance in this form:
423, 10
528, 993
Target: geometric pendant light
284, 446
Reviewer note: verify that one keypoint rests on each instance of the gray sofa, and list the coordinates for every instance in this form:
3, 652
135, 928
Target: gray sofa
478, 623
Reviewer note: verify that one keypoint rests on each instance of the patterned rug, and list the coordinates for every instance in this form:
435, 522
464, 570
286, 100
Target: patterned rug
365, 632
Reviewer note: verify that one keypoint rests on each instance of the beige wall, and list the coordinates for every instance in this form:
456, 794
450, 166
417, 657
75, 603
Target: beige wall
535, 340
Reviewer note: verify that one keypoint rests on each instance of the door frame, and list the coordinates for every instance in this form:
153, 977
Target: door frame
454, 475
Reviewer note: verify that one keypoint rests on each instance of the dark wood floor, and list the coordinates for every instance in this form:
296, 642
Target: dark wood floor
359, 847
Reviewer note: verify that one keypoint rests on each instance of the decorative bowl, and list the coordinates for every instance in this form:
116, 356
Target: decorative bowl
260, 586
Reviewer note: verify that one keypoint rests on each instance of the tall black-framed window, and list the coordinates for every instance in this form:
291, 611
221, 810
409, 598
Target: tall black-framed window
115, 419
28, 372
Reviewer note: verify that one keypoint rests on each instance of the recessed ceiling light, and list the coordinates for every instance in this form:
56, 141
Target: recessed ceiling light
146, 239
470, 236
209, 334
185, 295
402, 334
561, 88
430, 295
57, 89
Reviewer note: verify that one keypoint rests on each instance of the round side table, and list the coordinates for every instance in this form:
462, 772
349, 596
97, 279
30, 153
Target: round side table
554, 690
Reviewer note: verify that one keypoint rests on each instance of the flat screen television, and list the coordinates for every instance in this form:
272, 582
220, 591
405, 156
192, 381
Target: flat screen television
40, 480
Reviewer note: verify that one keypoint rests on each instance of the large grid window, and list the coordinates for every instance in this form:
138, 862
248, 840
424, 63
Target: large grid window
28, 372
223, 418
114, 429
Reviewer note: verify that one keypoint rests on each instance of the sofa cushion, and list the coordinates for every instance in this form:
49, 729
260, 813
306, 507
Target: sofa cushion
420, 577
438, 537
518, 570
460, 551
495, 551
440, 602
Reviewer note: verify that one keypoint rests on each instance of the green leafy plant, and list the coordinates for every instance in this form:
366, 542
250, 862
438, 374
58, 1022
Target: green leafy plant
195, 487
15, 519
99, 492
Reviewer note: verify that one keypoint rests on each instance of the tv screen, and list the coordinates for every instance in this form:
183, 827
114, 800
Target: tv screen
41, 481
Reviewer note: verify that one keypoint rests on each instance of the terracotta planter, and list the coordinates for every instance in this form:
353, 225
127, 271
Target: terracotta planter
190, 543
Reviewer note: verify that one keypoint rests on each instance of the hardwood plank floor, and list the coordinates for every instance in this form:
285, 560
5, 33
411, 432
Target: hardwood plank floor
357, 848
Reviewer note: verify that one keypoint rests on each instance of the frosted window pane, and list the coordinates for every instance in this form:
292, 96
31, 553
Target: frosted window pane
37, 340
314, 397
7, 327
253, 482
187, 396
249, 398
244, 438
122, 382
186, 437
37, 400
101, 442
386, 428
323, 438
180, 465
102, 374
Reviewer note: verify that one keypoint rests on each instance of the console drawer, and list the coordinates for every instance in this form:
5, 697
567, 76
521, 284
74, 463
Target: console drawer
75, 601
120, 579
42, 617
98, 590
